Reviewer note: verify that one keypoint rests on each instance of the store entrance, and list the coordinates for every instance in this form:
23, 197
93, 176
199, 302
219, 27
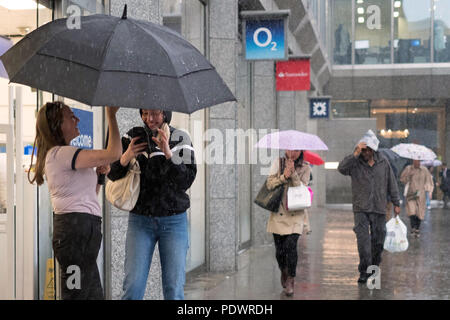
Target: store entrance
411, 121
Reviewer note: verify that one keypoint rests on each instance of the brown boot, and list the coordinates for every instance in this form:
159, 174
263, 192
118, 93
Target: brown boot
289, 290
284, 276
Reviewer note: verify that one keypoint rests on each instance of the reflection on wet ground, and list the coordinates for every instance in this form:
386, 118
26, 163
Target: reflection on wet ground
328, 263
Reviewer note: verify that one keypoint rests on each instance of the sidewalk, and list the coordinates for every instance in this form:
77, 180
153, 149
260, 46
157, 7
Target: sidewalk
328, 262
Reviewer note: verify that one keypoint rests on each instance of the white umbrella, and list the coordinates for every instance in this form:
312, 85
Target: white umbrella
291, 140
414, 151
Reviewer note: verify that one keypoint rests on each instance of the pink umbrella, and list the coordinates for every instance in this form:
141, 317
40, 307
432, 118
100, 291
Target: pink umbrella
291, 140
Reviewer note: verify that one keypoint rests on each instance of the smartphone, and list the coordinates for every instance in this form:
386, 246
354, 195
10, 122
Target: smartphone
140, 140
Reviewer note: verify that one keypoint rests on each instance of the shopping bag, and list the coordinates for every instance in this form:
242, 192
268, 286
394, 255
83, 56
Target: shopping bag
396, 236
124, 193
298, 198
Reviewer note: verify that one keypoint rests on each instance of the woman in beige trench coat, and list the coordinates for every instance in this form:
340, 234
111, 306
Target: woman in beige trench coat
287, 226
419, 181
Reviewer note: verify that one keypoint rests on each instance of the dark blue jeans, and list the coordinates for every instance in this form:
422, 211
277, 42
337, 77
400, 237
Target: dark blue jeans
171, 234
77, 238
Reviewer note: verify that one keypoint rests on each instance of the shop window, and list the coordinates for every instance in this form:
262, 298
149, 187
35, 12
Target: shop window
342, 31
441, 31
350, 109
412, 31
372, 32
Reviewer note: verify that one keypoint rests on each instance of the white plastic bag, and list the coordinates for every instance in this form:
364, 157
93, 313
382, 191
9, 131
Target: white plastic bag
396, 236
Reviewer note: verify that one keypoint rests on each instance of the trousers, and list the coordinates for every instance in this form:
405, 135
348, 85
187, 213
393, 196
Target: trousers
370, 230
77, 238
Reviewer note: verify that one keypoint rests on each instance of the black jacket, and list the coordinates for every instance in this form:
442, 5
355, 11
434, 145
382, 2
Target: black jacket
163, 182
371, 186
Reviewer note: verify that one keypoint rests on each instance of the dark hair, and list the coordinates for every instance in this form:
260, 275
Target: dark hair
297, 163
166, 114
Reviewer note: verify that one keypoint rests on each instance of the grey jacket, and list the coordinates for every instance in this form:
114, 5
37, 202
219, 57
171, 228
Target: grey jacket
370, 185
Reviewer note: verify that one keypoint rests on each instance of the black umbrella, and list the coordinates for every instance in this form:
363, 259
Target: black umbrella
117, 62
397, 163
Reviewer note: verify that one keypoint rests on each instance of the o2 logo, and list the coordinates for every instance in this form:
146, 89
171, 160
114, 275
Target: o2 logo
265, 40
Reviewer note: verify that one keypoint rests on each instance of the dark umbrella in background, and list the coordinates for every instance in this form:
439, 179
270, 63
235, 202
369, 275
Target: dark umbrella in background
113, 61
397, 163
5, 44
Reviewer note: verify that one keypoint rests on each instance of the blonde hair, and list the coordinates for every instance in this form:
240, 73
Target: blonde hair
48, 135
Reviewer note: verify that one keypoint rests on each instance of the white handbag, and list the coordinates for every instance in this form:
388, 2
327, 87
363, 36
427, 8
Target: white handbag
298, 198
123, 193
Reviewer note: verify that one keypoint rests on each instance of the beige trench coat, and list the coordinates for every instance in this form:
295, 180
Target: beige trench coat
286, 222
419, 180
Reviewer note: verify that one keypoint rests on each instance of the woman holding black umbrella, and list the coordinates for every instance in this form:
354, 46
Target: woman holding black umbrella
168, 169
72, 182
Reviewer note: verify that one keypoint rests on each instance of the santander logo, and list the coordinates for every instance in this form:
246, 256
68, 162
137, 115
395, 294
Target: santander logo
290, 74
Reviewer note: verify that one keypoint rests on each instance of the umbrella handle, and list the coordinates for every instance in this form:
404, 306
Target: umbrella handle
101, 177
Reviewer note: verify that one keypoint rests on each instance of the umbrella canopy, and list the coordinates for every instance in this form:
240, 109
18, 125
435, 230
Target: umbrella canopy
291, 140
431, 163
313, 158
397, 163
117, 62
414, 151
5, 44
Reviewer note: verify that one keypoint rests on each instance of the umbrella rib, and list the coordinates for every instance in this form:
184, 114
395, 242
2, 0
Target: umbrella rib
105, 51
125, 71
31, 35
165, 51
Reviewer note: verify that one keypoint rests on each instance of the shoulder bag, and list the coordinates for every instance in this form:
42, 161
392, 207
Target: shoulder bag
123, 193
270, 199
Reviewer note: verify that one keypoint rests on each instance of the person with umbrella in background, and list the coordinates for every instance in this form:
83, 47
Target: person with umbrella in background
287, 226
289, 171
72, 182
372, 181
419, 181
168, 169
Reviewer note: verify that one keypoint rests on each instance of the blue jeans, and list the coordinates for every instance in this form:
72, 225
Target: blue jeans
427, 197
171, 234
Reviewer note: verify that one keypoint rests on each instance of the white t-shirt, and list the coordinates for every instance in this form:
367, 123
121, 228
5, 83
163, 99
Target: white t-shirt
70, 190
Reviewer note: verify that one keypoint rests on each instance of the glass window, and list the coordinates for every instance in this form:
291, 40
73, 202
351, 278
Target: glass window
412, 31
341, 31
372, 32
350, 109
441, 31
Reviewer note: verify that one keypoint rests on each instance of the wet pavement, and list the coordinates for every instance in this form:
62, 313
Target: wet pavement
328, 264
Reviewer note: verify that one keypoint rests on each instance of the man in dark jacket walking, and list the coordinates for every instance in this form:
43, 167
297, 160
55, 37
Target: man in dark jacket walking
372, 182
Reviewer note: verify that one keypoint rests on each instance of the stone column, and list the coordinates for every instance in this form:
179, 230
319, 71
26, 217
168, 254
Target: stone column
222, 178
149, 10
265, 116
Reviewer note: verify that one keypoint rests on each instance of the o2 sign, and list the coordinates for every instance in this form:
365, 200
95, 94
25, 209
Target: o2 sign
265, 36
